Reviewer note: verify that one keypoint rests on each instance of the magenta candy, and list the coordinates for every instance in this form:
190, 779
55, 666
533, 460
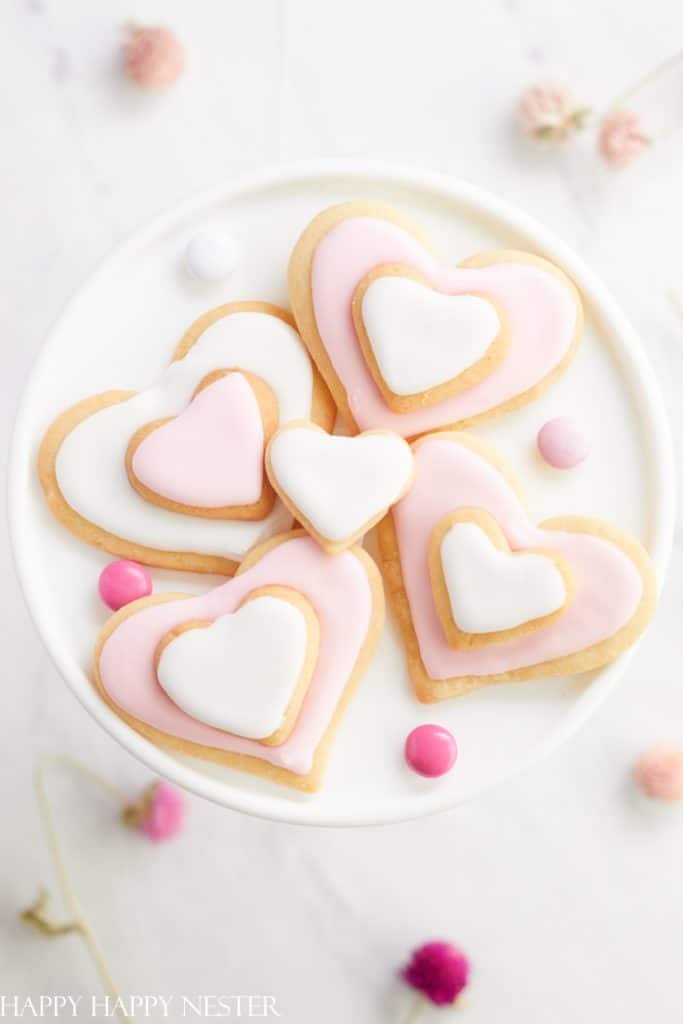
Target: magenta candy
562, 442
431, 750
122, 582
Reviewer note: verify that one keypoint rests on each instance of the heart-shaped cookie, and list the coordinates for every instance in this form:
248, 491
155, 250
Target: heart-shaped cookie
82, 461
208, 460
612, 579
347, 599
246, 672
343, 245
486, 593
422, 346
338, 487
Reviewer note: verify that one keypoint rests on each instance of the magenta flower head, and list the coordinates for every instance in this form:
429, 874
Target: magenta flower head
159, 813
439, 971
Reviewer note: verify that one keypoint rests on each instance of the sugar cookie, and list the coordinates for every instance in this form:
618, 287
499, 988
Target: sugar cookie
422, 346
82, 461
223, 673
347, 246
612, 579
486, 593
208, 460
346, 595
338, 487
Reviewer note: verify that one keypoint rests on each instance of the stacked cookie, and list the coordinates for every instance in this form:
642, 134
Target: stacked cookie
207, 470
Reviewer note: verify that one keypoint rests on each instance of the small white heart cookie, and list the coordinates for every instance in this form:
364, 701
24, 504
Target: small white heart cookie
421, 345
338, 487
246, 672
486, 593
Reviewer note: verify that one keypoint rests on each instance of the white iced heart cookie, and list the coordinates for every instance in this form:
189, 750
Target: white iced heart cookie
338, 487
421, 345
485, 592
86, 454
245, 672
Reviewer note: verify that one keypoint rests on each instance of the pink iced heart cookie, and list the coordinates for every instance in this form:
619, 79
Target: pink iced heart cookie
548, 622
208, 460
346, 597
379, 315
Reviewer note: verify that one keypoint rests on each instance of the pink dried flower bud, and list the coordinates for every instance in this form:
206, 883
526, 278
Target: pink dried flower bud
153, 57
546, 111
439, 971
621, 138
159, 813
658, 773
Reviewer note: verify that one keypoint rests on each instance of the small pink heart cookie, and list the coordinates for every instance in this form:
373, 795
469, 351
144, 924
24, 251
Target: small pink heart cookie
182, 686
208, 460
563, 597
409, 344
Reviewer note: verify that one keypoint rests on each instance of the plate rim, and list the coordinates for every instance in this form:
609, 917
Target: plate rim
647, 394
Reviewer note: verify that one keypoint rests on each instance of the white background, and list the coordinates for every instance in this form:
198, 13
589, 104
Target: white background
566, 891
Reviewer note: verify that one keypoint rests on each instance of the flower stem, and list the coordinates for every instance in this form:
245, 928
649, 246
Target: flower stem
36, 915
415, 1009
647, 79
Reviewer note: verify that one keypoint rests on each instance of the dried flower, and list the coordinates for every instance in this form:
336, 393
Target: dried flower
547, 112
621, 138
159, 813
658, 773
439, 971
153, 57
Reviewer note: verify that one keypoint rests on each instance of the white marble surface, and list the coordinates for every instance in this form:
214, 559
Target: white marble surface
566, 892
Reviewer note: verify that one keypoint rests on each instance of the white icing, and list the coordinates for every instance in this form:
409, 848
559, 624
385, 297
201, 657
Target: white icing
239, 673
210, 256
491, 590
91, 468
422, 338
340, 483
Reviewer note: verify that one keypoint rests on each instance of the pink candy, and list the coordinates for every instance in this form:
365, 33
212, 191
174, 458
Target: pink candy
562, 442
431, 750
122, 582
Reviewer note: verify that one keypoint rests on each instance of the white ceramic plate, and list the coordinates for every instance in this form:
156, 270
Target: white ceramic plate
120, 330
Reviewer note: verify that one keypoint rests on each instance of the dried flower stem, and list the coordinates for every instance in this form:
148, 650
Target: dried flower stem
417, 1006
37, 914
646, 80
677, 301
415, 1010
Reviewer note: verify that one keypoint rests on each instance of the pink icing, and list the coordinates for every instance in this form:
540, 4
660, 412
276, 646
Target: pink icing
122, 582
431, 750
338, 590
449, 476
540, 309
563, 443
211, 455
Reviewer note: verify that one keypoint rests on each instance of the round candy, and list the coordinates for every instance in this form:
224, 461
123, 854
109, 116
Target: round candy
562, 442
211, 257
431, 750
123, 582
658, 773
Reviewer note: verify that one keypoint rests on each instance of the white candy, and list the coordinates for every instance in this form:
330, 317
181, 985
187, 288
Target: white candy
210, 256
